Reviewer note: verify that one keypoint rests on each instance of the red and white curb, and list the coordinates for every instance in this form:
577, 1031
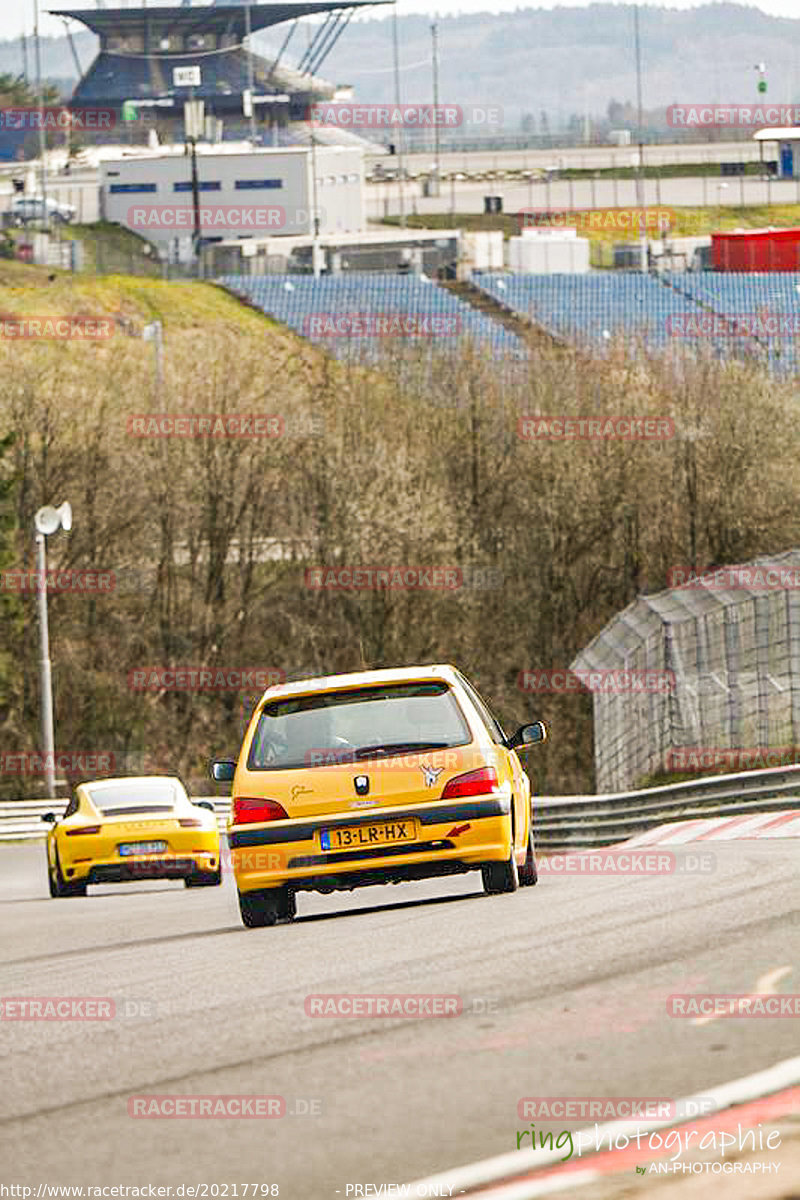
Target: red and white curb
767, 1095
721, 829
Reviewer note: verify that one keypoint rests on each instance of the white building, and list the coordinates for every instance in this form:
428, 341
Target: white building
242, 194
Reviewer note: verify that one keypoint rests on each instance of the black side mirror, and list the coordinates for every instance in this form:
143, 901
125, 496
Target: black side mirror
204, 804
223, 770
49, 818
528, 735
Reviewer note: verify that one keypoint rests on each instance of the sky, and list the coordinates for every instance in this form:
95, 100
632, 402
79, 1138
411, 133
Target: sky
16, 16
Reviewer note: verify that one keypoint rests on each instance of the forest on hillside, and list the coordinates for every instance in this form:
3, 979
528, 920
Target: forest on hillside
210, 539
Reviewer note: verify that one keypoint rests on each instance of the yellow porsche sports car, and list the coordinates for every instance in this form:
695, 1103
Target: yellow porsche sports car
375, 777
117, 830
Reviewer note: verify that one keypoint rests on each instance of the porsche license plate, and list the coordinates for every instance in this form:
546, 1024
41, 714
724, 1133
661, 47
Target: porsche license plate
357, 837
127, 848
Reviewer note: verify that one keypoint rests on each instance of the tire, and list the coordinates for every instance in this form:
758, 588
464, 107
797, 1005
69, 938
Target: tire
204, 879
528, 874
267, 907
59, 887
499, 877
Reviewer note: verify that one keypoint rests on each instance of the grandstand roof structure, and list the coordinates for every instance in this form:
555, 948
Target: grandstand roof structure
201, 18
141, 47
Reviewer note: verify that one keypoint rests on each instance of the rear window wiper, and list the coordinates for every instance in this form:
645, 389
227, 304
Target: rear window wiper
397, 748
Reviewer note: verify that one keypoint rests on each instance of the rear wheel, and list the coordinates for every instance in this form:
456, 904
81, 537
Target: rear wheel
528, 874
60, 887
267, 907
501, 876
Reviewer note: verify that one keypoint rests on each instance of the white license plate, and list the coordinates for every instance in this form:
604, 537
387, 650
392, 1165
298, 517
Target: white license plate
142, 848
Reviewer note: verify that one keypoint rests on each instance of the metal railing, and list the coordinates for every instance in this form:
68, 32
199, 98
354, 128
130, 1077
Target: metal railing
560, 822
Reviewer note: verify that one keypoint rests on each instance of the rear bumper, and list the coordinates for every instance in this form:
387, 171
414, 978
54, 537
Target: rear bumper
452, 837
154, 866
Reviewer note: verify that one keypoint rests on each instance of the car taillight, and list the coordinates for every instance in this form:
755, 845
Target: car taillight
247, 810
472, 783
190, 823
83, 829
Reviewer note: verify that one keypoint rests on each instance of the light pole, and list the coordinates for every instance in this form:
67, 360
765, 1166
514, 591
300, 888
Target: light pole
154, 332
40, 107
436, 155
396, 55
316, 264
47, 521
640, 186
250, 84
721, 187
193, 118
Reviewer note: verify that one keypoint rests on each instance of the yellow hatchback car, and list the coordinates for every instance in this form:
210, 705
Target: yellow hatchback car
375, 777
118, 830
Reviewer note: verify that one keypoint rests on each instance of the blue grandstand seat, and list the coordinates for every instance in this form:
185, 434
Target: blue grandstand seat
293, 299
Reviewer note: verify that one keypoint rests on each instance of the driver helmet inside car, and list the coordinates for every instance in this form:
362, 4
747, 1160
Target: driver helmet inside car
292, 739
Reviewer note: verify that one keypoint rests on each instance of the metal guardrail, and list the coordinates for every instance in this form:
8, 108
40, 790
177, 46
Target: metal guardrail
560, 822
21, 820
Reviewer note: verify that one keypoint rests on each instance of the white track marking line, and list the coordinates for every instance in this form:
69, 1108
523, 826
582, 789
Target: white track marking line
691, 832
653, 836
748, 825
738, 827
529, 1189
509, 1166
788, 827
767, 985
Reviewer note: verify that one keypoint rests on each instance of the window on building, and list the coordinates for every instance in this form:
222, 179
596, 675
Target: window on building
201, 41
255, 185
128, 188
205, 185
128, 43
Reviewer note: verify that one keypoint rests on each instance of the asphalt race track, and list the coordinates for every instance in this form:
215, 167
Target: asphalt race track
562, 987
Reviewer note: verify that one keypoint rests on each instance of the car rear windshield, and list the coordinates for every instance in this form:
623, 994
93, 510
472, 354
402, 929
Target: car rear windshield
132, 798
353, 725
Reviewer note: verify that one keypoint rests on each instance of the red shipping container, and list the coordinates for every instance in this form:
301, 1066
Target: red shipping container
756, 250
